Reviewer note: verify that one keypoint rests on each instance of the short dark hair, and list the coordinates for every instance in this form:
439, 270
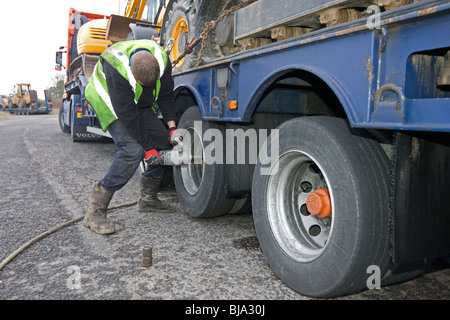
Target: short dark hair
145, 68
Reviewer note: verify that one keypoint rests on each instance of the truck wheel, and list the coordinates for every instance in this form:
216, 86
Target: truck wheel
242, 206
200, 185
64, 128
220, 41
178, 25
21, 103
321, 209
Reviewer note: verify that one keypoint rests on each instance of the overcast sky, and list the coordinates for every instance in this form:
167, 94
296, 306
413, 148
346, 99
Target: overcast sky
31, 33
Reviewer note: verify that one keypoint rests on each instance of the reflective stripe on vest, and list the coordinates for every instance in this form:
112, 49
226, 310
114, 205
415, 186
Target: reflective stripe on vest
96, 93
118, 56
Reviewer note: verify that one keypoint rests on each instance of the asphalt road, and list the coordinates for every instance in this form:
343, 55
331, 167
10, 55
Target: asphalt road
46, 179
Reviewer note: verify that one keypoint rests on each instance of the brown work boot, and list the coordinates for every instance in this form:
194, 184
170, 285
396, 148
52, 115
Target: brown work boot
149, 202
95, 217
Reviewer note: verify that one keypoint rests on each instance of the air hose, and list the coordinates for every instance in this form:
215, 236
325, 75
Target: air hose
49, 232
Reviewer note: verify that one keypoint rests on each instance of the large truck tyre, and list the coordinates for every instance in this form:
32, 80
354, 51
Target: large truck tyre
220, 40
185, 20
201, 186
323, 168
64, 128
179, 25
22, 103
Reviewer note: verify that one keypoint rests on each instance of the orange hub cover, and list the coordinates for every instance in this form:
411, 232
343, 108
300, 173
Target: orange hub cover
319, 203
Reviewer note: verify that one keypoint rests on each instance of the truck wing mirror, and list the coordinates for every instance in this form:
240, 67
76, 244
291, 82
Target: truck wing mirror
59, 65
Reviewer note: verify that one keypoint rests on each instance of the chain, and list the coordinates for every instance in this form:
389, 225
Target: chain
209, 26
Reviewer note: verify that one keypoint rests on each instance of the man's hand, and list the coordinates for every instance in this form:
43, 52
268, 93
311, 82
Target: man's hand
153, 158
174, 136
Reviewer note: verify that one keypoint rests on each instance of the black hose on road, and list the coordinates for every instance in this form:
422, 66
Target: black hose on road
49, 232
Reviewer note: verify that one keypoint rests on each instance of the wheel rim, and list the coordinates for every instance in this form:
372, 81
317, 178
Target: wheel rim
179, 34
302, 236
192, 173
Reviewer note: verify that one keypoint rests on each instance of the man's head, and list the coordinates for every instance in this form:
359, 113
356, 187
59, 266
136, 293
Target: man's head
145, 68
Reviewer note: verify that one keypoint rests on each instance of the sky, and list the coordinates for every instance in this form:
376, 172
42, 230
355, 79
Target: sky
31, 34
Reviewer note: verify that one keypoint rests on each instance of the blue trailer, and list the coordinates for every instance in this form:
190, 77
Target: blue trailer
351, 190
35, 106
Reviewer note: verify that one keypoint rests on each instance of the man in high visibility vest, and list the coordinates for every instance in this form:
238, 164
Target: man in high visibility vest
128, 80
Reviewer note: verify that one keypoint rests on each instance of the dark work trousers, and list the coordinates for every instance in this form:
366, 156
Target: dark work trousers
131, 153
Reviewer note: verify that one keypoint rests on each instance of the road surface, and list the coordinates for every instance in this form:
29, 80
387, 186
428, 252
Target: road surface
47, 180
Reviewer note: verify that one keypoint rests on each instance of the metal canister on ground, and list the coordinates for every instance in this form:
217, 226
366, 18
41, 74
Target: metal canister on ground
147, 260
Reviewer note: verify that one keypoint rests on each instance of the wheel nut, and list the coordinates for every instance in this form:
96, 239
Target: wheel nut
147, 260
319, 203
